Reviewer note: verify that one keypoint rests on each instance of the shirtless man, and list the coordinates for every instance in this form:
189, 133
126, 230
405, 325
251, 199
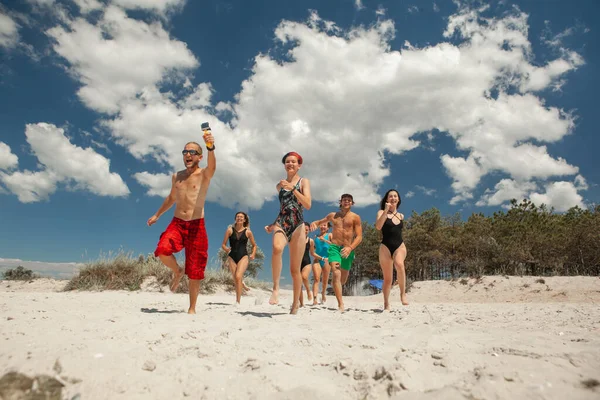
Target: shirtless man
187, 230
347, 235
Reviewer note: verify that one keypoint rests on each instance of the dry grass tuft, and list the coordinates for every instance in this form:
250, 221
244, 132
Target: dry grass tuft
124, 272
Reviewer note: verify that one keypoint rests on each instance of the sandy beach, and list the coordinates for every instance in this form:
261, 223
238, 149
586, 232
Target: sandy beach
493, 338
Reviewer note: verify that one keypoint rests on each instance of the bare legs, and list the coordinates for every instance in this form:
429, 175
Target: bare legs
279, 242
387, 267
305, 274
337, 284
171, 262
237, 271
316, 268
194, 286
326, 271
297, 245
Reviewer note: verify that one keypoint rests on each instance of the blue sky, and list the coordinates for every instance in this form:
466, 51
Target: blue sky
458, 106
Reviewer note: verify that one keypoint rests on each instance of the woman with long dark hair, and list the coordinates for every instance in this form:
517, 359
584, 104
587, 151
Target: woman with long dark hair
237, 253
392, 251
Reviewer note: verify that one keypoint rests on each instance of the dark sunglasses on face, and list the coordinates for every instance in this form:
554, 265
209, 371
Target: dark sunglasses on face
192, 152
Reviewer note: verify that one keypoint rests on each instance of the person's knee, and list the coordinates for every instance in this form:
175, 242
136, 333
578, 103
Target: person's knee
277, 251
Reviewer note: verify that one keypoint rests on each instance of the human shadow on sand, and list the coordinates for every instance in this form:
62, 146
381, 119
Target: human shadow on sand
217, 304
155, 311
259, 314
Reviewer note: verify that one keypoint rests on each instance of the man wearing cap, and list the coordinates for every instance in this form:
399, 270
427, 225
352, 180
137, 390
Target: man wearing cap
347, 235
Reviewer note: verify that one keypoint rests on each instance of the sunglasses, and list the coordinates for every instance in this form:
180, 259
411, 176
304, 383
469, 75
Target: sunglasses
192, 152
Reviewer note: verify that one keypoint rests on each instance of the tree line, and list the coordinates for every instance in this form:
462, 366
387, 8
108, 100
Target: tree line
524, 240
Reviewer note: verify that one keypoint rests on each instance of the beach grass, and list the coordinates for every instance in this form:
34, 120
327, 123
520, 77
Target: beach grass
123, 271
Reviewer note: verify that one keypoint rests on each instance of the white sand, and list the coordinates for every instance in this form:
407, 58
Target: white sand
454, 341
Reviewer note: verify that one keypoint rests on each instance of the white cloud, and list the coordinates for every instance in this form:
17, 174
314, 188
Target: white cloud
413, 9
9, 31
63, 162
342, 99
85, 6
158, 184
161, 6
426, 191
580, 183
559, 195
506, 190
7, 159
380, 11
115, 59
199, 98
30, 187
358, 4
436, 8
409, 194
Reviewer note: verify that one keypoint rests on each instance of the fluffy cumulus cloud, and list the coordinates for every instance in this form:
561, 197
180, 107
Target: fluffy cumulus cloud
559, 195
7, 159
62, 162
115, 58
344, 99
9, 31
88, 5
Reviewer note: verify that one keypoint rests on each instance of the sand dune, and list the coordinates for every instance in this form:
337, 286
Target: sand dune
496, 338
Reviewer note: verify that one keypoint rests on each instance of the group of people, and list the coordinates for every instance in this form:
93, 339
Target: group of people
332, 252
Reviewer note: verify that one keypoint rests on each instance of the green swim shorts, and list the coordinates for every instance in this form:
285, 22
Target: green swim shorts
334, 255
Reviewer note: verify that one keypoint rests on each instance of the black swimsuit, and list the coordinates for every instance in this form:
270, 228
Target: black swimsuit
306, 258
392, 234
238, 242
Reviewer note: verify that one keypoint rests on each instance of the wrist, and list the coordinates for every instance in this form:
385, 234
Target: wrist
211, 148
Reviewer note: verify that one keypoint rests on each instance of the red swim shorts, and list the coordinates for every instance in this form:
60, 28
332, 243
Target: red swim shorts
190, 235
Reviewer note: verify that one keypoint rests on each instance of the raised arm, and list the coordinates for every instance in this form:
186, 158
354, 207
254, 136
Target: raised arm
169, 201
211, 161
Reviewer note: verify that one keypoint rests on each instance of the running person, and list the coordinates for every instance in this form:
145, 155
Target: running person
288, 227
321, 266
392, 250
238, 234
347, 235
187, 230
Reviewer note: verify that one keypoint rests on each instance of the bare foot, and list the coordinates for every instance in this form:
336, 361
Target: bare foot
404, 300
246, 288
386, 308
309, 297
341, 308
294, 310
315, 301
323, 299
176, 279
274, 297
192, 311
